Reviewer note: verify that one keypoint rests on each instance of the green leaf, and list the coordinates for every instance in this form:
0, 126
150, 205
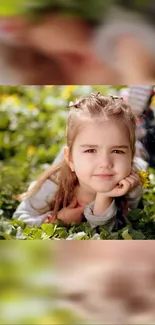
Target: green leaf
38, 234
44, 236
5, 227
48, 228
104, 233
126, 235
79, 236
134, 214
27, 230
6, 236
113, 236
61, 232
16, 223
137, 235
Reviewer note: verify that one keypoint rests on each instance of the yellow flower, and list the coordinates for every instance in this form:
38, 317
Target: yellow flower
15, 100
31, 107
144, 178
153, 102
31, 150
67, 92
4, 97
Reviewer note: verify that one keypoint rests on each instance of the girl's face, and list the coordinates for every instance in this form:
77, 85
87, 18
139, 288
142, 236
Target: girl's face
101, 155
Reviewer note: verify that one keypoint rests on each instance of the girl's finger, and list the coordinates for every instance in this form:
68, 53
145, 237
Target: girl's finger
135, 176
123, 187
126, 183
132, 182
134, 179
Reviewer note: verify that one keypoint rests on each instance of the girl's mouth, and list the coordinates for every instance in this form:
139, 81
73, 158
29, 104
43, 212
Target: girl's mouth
104, 176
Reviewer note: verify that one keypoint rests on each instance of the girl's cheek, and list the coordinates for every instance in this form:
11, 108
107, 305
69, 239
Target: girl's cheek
124, 168
126, 159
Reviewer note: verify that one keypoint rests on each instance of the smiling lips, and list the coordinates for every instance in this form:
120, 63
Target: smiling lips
104, 176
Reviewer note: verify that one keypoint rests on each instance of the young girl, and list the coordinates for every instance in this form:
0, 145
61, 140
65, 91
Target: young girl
95, 181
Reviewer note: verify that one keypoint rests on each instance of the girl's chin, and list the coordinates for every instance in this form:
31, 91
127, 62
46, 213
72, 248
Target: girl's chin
104, 189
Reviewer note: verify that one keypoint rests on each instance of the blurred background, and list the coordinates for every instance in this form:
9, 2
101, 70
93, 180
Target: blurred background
77, 42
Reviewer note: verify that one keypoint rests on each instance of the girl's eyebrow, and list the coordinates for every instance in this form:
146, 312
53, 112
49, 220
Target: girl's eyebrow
89, 145
122, 146
96, 146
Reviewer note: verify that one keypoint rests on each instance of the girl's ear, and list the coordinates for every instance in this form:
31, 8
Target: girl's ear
68, 159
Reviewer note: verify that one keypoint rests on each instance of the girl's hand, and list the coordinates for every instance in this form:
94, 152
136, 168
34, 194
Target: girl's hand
125, 185
71, 213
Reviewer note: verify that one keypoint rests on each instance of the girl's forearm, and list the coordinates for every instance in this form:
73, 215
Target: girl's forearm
101, 204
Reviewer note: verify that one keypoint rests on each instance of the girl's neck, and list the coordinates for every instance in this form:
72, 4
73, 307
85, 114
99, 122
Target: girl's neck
83, 195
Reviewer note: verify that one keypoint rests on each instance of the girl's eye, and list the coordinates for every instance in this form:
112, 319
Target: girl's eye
91, 151
118, 151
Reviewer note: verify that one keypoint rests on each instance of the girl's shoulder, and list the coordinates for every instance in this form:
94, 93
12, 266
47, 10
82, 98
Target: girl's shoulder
44, 194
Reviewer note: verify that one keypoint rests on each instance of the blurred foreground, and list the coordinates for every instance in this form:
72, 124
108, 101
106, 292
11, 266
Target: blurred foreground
95, 282
70, 42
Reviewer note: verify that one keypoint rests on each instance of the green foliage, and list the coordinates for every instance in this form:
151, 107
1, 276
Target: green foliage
87, 9
140, 225
90, 10
10, 7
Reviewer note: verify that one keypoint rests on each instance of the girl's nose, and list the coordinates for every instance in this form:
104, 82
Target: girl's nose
106, 162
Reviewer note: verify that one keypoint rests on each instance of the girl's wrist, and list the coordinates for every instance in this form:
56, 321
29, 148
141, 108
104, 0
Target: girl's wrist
102, 203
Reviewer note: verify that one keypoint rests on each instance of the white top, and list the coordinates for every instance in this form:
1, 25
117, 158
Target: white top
27, 209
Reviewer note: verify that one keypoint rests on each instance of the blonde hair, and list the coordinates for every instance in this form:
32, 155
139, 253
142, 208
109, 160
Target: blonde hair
85, 109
